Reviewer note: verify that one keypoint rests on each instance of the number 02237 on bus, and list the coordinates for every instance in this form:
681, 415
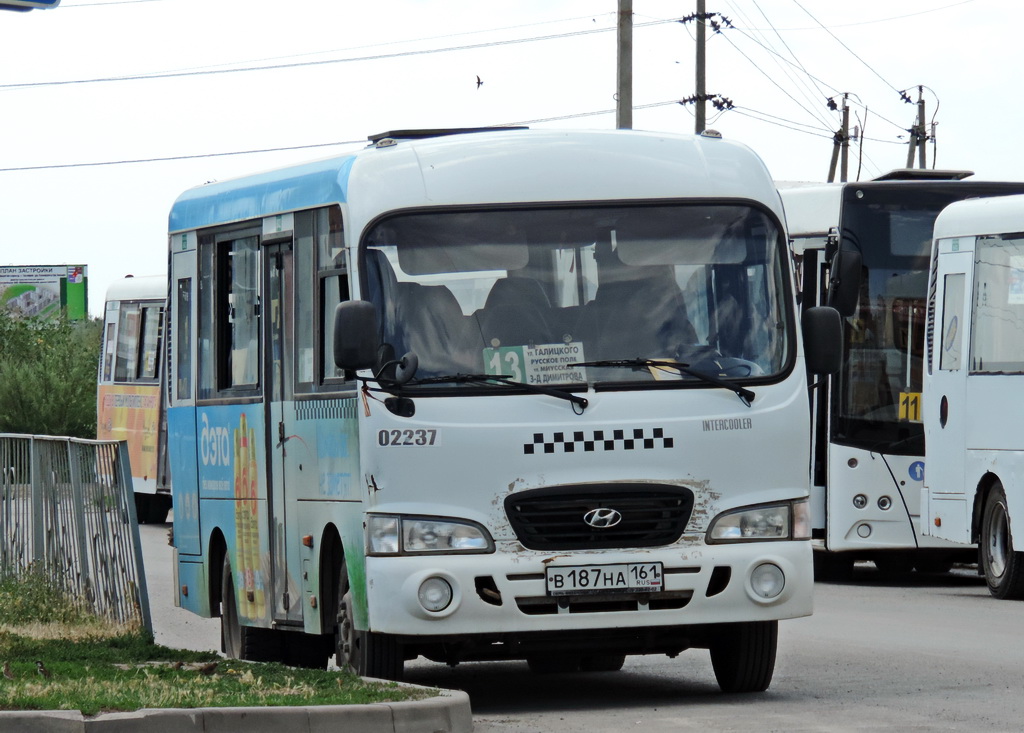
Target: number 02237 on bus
576, 579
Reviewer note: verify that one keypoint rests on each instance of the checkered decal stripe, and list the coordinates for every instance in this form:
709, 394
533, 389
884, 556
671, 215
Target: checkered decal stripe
598, 441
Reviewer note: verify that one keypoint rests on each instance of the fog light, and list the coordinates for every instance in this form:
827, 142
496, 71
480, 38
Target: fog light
864, 531
435, 594
884, 503
860, 501
767, 580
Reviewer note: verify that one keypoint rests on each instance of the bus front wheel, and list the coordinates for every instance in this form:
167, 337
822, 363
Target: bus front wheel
1003, 567
743, 656
364, 652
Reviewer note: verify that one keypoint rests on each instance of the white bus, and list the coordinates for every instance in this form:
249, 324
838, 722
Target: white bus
129, 402
868, 453
493, 394
974, 386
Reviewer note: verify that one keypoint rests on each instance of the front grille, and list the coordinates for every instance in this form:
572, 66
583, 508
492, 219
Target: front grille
553, 518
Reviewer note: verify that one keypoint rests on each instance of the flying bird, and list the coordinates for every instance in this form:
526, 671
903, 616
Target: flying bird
479, 81
43, 671
7, 671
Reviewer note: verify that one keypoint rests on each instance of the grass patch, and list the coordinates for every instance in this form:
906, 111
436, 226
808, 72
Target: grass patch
98, 667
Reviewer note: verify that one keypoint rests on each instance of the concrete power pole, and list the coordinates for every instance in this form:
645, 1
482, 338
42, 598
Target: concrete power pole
624, 86
841, 145
918, 136
700, 120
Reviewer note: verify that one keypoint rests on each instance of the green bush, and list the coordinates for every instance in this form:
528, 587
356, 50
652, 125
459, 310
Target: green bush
48, 376
34, 597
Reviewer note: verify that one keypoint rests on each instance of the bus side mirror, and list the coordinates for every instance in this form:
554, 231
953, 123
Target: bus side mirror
823, 339
844, 281
355, 335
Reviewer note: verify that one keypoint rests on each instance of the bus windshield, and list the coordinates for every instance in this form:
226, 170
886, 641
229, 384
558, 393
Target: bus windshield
881, 376
530, 293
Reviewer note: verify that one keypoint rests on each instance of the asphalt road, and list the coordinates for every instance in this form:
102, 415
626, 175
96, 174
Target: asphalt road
920, 653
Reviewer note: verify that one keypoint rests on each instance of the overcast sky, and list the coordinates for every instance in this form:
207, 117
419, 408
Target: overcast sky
91, 88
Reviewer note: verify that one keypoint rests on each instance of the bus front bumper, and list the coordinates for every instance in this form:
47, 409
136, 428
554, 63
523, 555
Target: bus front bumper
507, 592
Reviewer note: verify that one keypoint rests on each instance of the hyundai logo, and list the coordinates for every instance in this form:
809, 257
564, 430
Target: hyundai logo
602, 518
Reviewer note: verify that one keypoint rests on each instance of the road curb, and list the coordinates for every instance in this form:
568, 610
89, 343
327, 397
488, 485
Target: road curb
447, 712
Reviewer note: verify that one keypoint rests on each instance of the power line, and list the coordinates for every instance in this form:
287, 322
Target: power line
179, 157
769, 78
111, 2
297, 64
311, 146
852, 53
387, 43
880, 20
813, 98
755, 115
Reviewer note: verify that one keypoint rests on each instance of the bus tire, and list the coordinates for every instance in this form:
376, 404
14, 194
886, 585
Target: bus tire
243, 642
743, 656
363, 652
1003, 567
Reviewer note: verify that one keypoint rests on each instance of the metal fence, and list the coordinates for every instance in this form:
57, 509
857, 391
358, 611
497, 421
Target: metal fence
67, 510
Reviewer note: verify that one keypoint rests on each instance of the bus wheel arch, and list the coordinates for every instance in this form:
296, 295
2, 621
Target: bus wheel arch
328, 570
218, 551
366, 653
1002, 564
981, 492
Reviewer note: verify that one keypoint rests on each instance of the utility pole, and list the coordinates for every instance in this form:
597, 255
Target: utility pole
918, 135
841, 145
699, 110
624, 95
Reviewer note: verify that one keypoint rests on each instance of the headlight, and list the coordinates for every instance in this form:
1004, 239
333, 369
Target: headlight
397, 535
770, 522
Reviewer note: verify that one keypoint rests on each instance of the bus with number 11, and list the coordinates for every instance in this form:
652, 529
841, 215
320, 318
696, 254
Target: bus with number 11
868, 440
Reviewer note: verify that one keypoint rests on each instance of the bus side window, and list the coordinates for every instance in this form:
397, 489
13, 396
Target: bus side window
304, 306
109, 348
148, 369
127, 343
951, 335
183, 349
332, 274
321, 282
229, 353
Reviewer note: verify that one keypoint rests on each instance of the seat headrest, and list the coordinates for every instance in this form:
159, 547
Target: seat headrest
517, 291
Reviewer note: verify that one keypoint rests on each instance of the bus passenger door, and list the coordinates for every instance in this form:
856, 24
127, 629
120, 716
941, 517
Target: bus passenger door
814, 283
945, 503
180, 391
278, 309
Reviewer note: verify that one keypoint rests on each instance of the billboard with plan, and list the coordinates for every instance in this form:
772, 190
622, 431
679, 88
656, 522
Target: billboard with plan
43, 290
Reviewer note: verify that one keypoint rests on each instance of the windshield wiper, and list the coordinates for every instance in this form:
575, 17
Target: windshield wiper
581, 402
745, 395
